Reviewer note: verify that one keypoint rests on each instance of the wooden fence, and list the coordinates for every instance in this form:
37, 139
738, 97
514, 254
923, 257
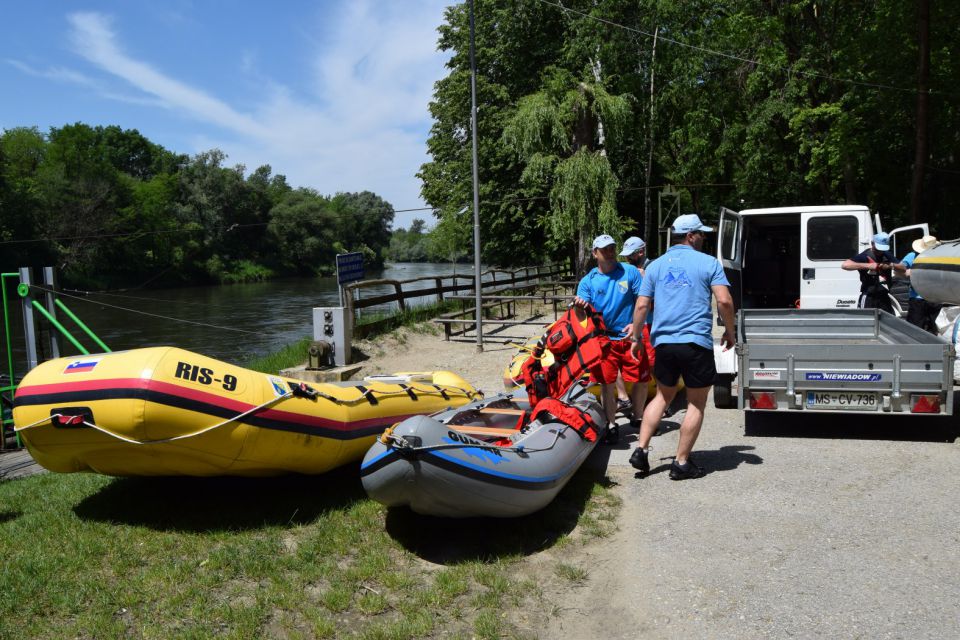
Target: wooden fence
491, 281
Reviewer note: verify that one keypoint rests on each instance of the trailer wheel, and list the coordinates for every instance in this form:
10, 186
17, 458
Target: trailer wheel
723, 393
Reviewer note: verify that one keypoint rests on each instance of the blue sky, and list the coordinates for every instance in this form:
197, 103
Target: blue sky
331, 93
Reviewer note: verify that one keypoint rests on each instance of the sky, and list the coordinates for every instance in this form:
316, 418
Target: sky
333, 94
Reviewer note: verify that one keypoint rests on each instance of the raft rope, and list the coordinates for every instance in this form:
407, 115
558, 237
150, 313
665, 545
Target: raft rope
301, 391
74, 420
372, 396
404, 446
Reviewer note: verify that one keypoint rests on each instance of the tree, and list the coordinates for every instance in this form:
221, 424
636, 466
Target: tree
304, 231
515, 40
81, 194
22, 151
363, 219
557, 133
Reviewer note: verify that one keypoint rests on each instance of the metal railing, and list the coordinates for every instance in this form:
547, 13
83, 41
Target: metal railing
30, 304
443, 285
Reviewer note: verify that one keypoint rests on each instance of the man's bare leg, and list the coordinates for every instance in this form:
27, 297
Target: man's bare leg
608, 396
653, 414
638, 396
692, 421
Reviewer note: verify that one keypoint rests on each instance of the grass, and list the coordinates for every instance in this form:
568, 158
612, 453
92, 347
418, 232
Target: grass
374, 323
295, 354
305, 557
289, 356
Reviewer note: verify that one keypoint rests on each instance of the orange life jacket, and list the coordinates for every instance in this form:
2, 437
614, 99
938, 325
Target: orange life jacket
579, 420
578, 341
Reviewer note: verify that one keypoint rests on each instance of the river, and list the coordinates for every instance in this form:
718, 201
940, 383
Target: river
231, 322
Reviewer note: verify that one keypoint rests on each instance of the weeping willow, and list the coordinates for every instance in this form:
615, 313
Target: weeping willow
560, 133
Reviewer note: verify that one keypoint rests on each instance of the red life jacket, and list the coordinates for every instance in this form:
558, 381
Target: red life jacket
570, 415
578, 341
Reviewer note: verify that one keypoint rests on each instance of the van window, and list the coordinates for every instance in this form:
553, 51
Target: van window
728, 233
833, 237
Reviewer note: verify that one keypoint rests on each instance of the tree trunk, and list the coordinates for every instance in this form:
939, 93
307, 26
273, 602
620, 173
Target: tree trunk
923, 102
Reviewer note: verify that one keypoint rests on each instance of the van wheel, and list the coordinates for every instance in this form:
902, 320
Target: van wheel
723, 392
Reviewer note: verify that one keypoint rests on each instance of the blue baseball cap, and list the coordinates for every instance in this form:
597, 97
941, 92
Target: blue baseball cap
632, 245
881, 241
688, 223
602, 241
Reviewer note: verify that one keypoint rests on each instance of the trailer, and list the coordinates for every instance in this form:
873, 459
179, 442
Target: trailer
841, 360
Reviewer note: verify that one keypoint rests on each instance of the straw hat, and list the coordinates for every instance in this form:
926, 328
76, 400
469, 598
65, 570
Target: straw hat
926, 242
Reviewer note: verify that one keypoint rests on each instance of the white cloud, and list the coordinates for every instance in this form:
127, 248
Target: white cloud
94, 40
360, 123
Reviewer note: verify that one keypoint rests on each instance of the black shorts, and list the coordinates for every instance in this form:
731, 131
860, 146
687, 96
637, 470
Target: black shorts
686, 359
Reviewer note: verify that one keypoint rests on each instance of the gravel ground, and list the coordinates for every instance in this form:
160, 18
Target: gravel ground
827, 527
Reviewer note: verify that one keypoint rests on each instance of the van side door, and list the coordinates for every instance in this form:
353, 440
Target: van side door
826, 240
730, 251
902, 237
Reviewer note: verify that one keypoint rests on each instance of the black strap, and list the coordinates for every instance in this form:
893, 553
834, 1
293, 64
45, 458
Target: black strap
442, 391
409, 391
368, 394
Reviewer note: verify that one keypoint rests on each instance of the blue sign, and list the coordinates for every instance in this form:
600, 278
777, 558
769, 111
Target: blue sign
844, 377
349, 267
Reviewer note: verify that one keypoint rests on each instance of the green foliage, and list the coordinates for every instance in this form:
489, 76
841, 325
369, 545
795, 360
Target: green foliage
756, 103
111, 209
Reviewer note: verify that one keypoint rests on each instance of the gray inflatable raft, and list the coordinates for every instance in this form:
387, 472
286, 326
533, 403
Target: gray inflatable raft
473, 461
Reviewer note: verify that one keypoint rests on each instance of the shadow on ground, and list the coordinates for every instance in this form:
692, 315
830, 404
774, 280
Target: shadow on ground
449, 541
218, 504
852, 426
7, 516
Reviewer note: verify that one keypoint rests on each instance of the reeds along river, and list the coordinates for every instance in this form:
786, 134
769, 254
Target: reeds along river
232, 322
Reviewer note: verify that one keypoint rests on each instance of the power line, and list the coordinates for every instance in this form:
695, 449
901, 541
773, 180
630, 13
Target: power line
142, 313
731, 56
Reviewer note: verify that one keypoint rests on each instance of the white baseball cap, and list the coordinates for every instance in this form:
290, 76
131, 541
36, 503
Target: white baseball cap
602, 241
688, 223
632, 245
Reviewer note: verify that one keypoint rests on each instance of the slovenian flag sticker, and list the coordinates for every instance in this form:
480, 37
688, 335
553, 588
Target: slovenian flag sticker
82, 366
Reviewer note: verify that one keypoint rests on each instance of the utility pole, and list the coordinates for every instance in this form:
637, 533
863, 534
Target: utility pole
476, 185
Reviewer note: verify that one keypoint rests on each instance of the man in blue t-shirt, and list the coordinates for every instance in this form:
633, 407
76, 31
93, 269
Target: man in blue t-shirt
679, 285
612, 288
921, 313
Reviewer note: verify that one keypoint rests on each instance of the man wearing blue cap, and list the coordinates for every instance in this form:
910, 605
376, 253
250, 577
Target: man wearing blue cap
679, 285
875, 265
635, 251
612, 288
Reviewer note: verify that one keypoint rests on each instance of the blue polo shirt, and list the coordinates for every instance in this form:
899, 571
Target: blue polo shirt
679, 283
613, 294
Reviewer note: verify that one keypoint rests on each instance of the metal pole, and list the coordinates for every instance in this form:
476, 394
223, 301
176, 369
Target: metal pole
59, 327
80, 324
51, 309
476, 184
29, 331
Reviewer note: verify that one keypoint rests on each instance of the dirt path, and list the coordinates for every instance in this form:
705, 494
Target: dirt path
825, 527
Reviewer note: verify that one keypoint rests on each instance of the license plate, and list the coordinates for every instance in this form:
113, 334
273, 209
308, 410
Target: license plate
842, 400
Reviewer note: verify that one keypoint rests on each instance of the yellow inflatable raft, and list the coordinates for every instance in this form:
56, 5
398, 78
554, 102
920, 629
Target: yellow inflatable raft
166, 411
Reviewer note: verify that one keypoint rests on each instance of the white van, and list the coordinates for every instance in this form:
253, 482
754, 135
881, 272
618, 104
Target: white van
790, 256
